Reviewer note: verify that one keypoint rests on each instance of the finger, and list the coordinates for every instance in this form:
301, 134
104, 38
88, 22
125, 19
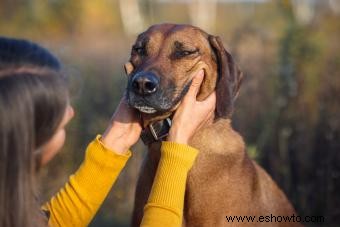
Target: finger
196, 84
137, 116
124, 99
123, 109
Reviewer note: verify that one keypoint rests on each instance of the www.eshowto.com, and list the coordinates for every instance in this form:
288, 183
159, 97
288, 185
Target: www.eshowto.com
275, 218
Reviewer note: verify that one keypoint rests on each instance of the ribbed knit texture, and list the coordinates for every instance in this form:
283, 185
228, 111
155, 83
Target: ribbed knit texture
166, 200
79, 200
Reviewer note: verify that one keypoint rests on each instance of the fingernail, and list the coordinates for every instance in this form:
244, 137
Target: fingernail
201, 73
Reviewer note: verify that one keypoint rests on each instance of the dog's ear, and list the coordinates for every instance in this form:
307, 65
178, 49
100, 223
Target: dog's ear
228, 81
128, 68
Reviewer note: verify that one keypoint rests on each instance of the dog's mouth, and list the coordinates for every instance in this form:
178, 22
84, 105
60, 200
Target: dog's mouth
162, 102
147, 105
145, 109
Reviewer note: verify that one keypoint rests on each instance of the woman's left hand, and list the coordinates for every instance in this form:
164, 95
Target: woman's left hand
191, 114
124, 129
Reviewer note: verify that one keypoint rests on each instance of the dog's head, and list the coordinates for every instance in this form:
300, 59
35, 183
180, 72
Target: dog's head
163, 61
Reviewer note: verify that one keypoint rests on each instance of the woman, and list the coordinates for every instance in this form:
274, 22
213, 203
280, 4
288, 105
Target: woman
34, 110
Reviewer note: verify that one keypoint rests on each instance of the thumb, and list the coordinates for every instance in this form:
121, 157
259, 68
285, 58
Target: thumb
196, 84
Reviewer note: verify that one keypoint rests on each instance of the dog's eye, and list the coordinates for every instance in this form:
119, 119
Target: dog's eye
139, 50
184, 53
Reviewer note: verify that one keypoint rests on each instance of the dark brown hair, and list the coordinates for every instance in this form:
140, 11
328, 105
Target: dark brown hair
33, 98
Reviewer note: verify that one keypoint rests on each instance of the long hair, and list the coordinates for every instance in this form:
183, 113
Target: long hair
33, 98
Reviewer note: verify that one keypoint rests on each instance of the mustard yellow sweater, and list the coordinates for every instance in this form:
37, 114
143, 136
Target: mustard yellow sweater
78, 201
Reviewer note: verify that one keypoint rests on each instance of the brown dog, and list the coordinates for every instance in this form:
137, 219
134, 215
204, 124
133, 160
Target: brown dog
223, 181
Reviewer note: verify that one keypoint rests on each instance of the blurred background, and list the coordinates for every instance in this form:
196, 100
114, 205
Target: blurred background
288, 110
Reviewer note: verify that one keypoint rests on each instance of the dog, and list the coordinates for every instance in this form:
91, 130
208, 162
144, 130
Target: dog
223, 180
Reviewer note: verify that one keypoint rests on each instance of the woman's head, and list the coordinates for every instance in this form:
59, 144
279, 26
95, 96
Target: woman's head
17, 53
33, 103
35, 99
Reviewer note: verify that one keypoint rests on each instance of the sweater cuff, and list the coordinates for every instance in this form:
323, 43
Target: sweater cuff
99, 165
105, 157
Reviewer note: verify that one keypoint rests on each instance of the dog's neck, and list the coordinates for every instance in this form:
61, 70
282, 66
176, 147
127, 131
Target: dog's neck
158, 129
148, 119
219, 136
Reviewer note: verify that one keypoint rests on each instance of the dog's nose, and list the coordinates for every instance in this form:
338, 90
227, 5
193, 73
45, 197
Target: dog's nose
145, 83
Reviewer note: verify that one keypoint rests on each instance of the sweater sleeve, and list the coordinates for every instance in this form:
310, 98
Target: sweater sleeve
166, 200
79, 200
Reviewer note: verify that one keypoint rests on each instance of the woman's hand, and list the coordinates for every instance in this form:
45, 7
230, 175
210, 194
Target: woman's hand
124, 129
191, 114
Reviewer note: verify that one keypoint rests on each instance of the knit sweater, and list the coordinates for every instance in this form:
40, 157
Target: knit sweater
79, 200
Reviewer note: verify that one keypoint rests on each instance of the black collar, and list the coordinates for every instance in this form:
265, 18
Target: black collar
156, 131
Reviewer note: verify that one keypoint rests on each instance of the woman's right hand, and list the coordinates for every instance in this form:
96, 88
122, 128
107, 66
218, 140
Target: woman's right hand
124, 129
191, 114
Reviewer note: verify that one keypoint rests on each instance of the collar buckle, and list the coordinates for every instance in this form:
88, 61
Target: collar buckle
156, 131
